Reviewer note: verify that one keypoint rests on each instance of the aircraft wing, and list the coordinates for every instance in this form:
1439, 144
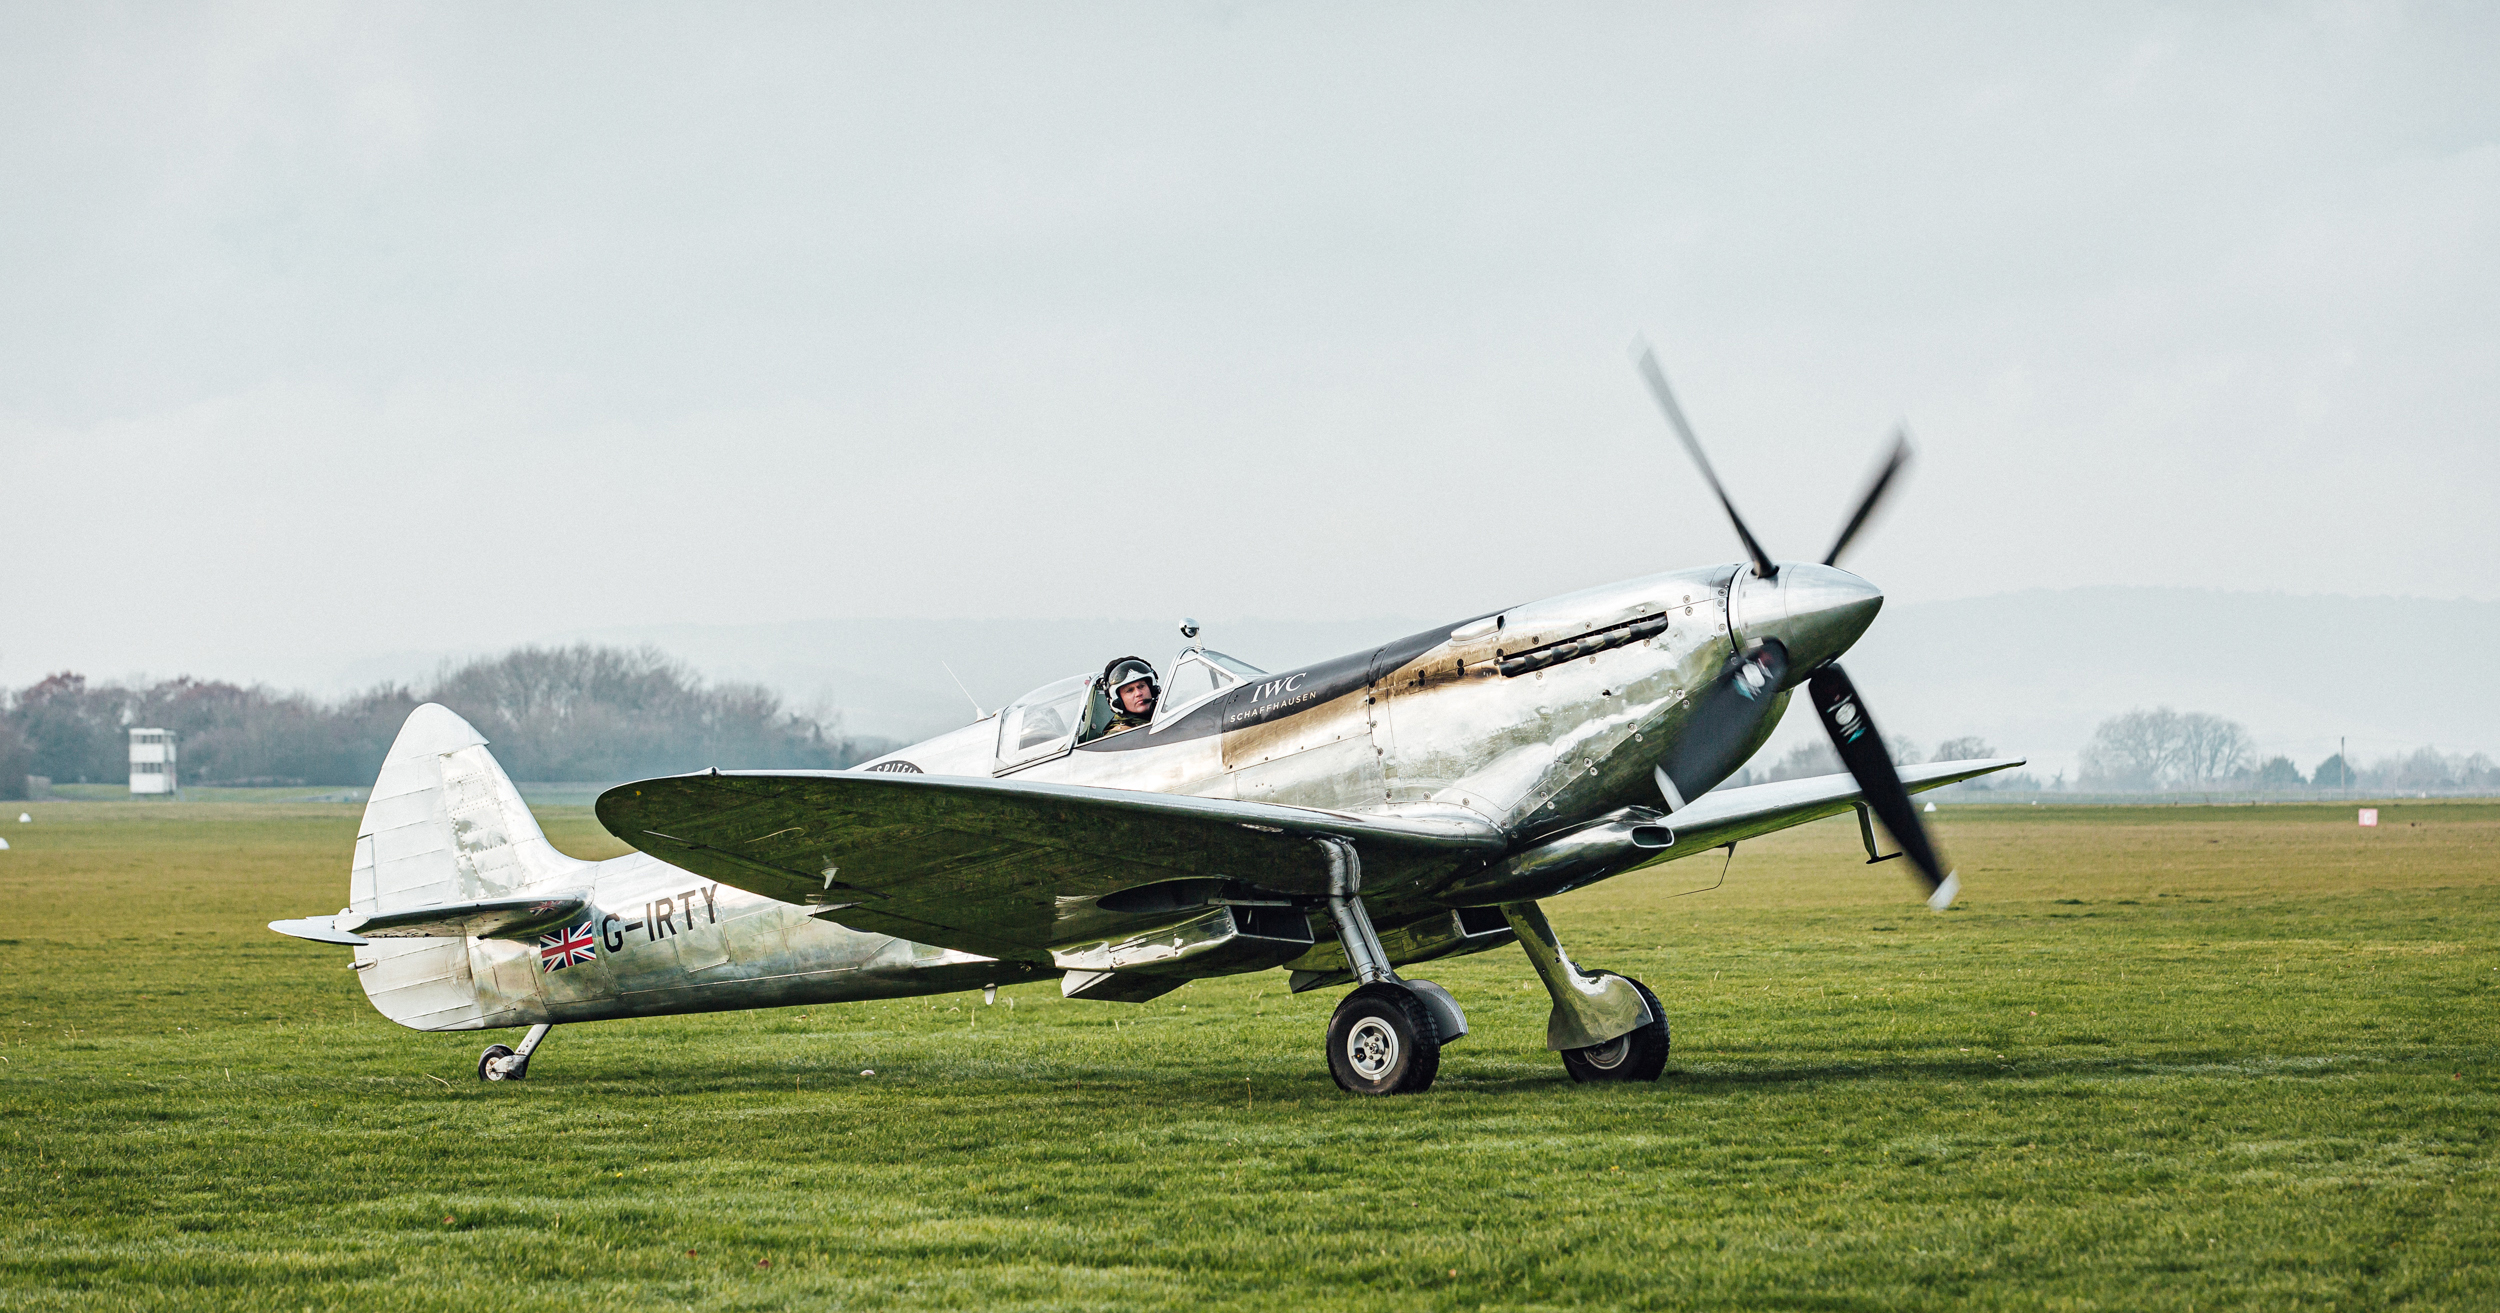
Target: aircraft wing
1724, 816
1005, 868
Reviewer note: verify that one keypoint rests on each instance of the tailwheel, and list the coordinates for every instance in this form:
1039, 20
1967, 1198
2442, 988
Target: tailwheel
498, 1063
1383, 1040
1638, 1055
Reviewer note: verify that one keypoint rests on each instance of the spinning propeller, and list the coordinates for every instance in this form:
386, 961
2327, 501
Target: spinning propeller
1727, 713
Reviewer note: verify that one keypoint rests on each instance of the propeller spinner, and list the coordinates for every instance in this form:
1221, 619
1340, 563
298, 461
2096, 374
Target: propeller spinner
1842, 605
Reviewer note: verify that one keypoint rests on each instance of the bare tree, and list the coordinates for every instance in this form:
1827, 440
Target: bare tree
2210, 748
2135, 751
1967, 748
2162, 749
2423, 769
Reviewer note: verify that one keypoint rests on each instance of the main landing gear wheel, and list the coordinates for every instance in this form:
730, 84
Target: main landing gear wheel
1640, 1055
499, 1064
1383, 1040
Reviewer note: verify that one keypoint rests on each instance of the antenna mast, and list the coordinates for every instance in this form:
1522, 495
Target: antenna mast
977, 712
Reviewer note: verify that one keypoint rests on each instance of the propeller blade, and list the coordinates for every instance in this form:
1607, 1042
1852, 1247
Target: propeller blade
1648, 363
1861, 749
1874, 495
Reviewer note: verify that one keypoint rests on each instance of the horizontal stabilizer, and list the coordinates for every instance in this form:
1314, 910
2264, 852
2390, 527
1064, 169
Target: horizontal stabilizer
484, 918
319, 930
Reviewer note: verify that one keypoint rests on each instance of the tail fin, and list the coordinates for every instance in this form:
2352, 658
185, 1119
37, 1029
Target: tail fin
445, 826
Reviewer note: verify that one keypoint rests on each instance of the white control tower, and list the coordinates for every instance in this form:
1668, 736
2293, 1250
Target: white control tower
152, 763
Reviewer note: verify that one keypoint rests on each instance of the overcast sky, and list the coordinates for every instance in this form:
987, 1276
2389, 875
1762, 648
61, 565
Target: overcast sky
333, 330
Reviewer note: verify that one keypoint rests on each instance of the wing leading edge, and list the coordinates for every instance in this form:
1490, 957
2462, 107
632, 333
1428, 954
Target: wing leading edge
1006, 868
1720, 817
1727, 815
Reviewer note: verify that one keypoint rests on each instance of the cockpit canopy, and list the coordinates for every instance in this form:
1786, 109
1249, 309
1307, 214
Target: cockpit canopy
1059, 715
1197, 676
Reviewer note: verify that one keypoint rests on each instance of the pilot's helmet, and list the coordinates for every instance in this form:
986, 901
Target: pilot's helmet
1127, 671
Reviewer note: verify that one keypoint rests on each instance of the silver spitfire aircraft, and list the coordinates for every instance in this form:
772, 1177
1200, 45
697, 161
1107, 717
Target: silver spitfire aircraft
1343, 821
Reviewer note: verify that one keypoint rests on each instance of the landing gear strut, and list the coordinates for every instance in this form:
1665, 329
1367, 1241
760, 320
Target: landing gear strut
501, 1063
1386, 1036
1605, 1026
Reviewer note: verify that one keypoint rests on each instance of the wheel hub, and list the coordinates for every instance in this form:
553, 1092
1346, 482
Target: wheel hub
1609, 1055
1371, 1046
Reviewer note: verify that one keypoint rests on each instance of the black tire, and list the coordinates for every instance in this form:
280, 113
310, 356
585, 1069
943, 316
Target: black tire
1383, 1040
486, 1064
1640, 1055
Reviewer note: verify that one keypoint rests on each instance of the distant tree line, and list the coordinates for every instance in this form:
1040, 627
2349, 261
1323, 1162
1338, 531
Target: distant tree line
2423, 770
2162, 749
578, 713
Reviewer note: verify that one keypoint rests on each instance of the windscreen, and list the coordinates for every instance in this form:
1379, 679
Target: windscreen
1042, 721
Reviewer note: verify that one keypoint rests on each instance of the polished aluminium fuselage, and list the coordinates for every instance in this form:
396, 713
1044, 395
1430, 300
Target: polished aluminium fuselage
666, 941
1542, 719
1431, 725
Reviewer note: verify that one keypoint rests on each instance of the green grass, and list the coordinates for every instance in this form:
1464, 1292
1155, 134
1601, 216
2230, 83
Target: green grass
2161, 1058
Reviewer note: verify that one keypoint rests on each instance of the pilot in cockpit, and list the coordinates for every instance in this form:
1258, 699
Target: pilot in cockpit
1133, 689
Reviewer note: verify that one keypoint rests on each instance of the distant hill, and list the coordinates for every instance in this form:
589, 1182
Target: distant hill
2032, 672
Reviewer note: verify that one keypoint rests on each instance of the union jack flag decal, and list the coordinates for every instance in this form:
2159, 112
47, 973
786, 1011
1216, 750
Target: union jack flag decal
563, 948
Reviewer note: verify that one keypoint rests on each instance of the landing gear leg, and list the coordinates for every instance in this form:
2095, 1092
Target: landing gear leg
1386, 1036
1605, 1026
500, 1063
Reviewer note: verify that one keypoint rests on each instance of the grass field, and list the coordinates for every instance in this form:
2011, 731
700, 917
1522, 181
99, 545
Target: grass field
2161, 1058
